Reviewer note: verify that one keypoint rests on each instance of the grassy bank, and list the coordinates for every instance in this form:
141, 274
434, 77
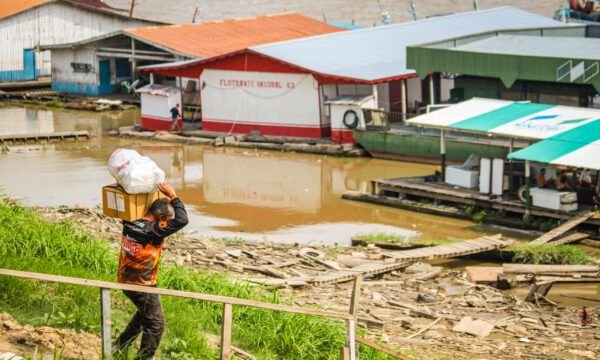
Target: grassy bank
29, 243
549, 254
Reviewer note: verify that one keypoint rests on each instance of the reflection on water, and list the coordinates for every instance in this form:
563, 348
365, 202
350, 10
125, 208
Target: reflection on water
230, 192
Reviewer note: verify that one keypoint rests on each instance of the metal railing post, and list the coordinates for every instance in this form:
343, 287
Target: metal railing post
226, 331
106, 323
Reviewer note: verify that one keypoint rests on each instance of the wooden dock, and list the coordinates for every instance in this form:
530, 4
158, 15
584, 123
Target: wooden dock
56, 136
562, 229
467, 247
449, 200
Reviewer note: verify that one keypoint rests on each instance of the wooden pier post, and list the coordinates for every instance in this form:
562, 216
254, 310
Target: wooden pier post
226, 331
105, 324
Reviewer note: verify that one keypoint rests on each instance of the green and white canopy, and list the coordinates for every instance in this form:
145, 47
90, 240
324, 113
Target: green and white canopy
522, 120
578, 147
571, 135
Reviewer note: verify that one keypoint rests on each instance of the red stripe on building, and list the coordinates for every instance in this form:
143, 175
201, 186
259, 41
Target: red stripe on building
314, 132
343, 136
157, 123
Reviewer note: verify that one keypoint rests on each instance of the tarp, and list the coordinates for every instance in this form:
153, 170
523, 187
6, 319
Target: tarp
520, 120
578, 147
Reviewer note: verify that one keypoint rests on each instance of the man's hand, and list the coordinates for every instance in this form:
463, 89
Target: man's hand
167, 190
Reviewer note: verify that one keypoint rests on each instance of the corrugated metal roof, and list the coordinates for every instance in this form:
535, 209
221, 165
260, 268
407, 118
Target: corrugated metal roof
569, 47
380, 53
13, 7
220, 37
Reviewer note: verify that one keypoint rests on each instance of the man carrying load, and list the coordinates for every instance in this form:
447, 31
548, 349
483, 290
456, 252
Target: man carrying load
141, 246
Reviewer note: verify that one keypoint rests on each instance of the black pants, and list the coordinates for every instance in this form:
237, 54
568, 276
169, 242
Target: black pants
148, 320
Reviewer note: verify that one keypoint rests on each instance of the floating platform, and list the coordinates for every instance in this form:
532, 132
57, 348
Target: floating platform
56, 136
449, 200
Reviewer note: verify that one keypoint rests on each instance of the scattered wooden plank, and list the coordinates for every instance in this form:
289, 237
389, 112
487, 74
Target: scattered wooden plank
540, 269
560, 230
571, 238
381, 348
370, 322
477, 327
483, 274
538, 290
424, 329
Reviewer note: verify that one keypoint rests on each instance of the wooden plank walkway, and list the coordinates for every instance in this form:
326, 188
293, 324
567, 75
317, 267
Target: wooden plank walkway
406, 257
467, 247
335, 277
46, 137
559, 231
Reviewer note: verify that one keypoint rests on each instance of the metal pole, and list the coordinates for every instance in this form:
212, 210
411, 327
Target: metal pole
133, 61
404, 98
105, 309
443, 152
151, 78
527, 189
431, 90
376, 96
511, 167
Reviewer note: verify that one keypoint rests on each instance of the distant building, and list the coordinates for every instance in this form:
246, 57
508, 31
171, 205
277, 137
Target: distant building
316, 87
27, 24
105, 61
558, 66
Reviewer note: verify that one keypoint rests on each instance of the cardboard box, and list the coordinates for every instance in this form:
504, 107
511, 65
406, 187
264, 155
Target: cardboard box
119, 204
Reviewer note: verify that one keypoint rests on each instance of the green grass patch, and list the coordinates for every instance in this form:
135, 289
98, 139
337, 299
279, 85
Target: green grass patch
31, 244
549, 254
380, 237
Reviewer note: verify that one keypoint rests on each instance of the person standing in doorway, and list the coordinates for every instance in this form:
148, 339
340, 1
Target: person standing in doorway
175, 115
141, 247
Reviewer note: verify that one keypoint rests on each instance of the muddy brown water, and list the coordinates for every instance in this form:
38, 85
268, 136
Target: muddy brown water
243, 193
235, 193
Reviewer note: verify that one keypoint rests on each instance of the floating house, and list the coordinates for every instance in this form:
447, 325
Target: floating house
112, 58
288, 88
27, 25
518, 65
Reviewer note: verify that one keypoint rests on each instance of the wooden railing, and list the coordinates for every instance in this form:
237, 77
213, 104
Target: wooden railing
348, 352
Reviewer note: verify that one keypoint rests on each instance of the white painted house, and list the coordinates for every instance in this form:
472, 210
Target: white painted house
25, 25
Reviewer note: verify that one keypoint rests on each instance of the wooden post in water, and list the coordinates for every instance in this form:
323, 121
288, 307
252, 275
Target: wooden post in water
443, 153
106, 324
226, 331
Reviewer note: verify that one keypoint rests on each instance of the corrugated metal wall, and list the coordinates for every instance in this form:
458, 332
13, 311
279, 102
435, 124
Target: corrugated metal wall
50, 24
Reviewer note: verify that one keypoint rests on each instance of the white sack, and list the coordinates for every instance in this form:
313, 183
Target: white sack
137, 174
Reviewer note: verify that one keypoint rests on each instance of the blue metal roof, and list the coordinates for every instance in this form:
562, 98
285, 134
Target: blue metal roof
379, 53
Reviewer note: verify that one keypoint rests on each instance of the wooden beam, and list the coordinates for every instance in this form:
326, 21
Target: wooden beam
226, 332
351, 338
355, 296
139, 57
168, 292
105, 324
129, 51
381, 348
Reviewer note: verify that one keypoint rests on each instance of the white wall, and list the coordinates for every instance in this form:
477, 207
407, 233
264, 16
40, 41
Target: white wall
294, 101
62, 71
51, 24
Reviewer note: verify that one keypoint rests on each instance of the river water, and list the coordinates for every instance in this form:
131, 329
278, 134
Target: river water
233, 193
254, 195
